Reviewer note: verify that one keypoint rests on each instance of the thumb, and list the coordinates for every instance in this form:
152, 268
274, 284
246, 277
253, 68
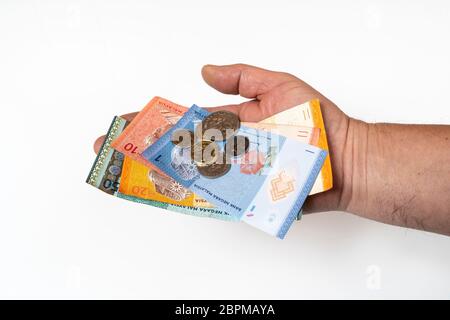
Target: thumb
245, 80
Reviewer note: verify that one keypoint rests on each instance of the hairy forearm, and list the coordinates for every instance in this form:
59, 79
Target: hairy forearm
398, 174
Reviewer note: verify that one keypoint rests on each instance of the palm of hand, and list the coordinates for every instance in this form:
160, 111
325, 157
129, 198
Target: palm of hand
272, 92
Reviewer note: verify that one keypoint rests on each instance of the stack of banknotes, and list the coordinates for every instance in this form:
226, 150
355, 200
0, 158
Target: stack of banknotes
191, 161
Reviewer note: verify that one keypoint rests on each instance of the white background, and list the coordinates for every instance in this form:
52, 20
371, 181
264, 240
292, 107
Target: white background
67, 67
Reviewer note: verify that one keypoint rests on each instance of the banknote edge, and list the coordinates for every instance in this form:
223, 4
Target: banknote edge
104, 149
328, 170
299, 215
137, 119
134, 122
183, 209
305, 192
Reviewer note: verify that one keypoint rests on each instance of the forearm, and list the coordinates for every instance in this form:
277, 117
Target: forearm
398, 174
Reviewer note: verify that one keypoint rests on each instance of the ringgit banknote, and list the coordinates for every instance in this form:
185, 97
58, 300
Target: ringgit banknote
308, 114
265, 187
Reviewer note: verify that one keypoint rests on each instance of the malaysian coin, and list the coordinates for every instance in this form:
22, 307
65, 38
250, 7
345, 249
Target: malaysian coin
236, 146
182, 138
220, 123
214, 170
204, 153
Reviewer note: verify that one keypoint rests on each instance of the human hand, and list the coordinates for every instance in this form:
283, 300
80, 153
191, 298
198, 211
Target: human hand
270, 92
373, 175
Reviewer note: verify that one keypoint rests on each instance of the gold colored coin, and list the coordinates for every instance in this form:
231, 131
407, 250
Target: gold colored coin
220, 125
215, 170
204, 153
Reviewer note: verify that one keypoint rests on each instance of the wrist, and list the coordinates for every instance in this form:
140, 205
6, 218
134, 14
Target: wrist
356, 149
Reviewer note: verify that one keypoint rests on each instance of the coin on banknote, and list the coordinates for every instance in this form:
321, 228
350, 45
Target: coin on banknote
236, 146
182, 138
204, 153
215, 170
223, 122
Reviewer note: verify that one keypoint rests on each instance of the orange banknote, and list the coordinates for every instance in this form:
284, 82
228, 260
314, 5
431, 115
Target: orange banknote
308, 114
140, 181
158, 116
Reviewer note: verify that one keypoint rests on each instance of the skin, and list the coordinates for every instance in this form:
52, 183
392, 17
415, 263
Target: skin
392, 173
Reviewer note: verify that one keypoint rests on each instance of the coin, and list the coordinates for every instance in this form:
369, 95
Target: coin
214, 170
182, 138
204, 153
236, 145
223, 122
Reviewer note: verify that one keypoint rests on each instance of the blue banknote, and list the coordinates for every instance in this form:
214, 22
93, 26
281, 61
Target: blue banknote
264, 187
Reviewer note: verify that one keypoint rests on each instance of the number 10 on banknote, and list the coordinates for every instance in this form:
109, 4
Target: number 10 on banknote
264, 185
